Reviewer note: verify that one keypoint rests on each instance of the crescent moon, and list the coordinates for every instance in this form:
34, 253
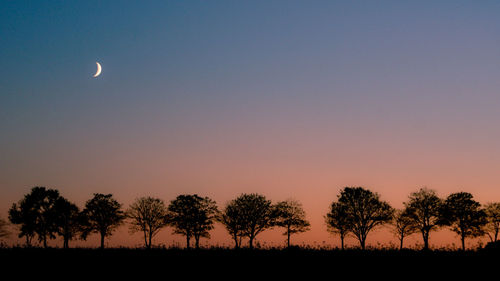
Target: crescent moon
99, 68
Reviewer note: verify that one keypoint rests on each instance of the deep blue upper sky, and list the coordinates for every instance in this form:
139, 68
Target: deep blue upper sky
335, 81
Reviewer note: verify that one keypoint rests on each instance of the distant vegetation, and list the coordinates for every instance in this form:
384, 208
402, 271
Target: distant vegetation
43, 214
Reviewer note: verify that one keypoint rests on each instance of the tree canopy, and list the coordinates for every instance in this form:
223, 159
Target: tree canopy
35, 214
463, 215
192, 216
424, 210
102, 214
147, 215
364, 211
291, 216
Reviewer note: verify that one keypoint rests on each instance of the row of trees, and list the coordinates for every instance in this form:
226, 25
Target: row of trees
44, 214
358, 211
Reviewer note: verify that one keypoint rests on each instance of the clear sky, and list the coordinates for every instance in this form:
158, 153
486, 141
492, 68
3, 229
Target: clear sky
291, 99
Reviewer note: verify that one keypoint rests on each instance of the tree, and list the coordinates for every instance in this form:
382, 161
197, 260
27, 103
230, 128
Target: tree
337, 221
464, 215
148, 215
192, 216
364, 210
423, 209
403, 226
231, 218
247, 216
67, 220
35, 213
4, 231
290, 215
493, 216
102, 214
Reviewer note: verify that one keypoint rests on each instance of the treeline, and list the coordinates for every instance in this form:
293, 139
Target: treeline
44, 214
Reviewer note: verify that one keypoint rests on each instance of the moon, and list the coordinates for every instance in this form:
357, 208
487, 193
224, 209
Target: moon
99, 69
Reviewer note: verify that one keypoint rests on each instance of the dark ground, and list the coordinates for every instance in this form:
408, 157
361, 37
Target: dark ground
243, 264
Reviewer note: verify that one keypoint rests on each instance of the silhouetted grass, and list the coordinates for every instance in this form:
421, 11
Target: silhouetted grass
216, 261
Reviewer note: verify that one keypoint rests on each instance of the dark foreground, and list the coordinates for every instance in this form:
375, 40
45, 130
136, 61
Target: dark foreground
242, 264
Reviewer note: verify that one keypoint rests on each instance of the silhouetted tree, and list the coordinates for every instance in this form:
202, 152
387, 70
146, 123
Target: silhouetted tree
403, 226
423, 209
464, 215
291, 216
35, 213
67, 220
102, 214
337, 221
248, 215
148, 215
492, 228
192, 216
365, 211
4, 231
231, 218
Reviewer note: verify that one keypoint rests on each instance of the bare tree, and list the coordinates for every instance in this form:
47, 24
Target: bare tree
102, 214
424, 210
192, 216
337, 221
403, 226
493, 216
291, 216
147, 215
464, 216
365, 211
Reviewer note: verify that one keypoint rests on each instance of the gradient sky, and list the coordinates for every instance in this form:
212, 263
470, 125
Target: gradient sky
291, 99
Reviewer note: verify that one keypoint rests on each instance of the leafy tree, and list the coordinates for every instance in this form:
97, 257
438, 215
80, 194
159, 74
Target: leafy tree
102, 214
364, 210
231, 218
403, 226
192, 216
464, 215
4, 231
35, 213
337, 221
493, 216
148, 215
290, 215
247, 216
423, 208
67, 220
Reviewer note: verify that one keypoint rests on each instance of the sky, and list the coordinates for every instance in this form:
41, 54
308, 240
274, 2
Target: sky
290, 99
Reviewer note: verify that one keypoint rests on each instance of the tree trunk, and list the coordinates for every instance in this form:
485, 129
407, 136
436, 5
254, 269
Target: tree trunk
463, 242
236, 245
401, 243
45, 242
150, 240
188, 239
66, 243
288, 233
250, 243
102, 240
425, 236
146, 240
362, 242
197, 242
342, 241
